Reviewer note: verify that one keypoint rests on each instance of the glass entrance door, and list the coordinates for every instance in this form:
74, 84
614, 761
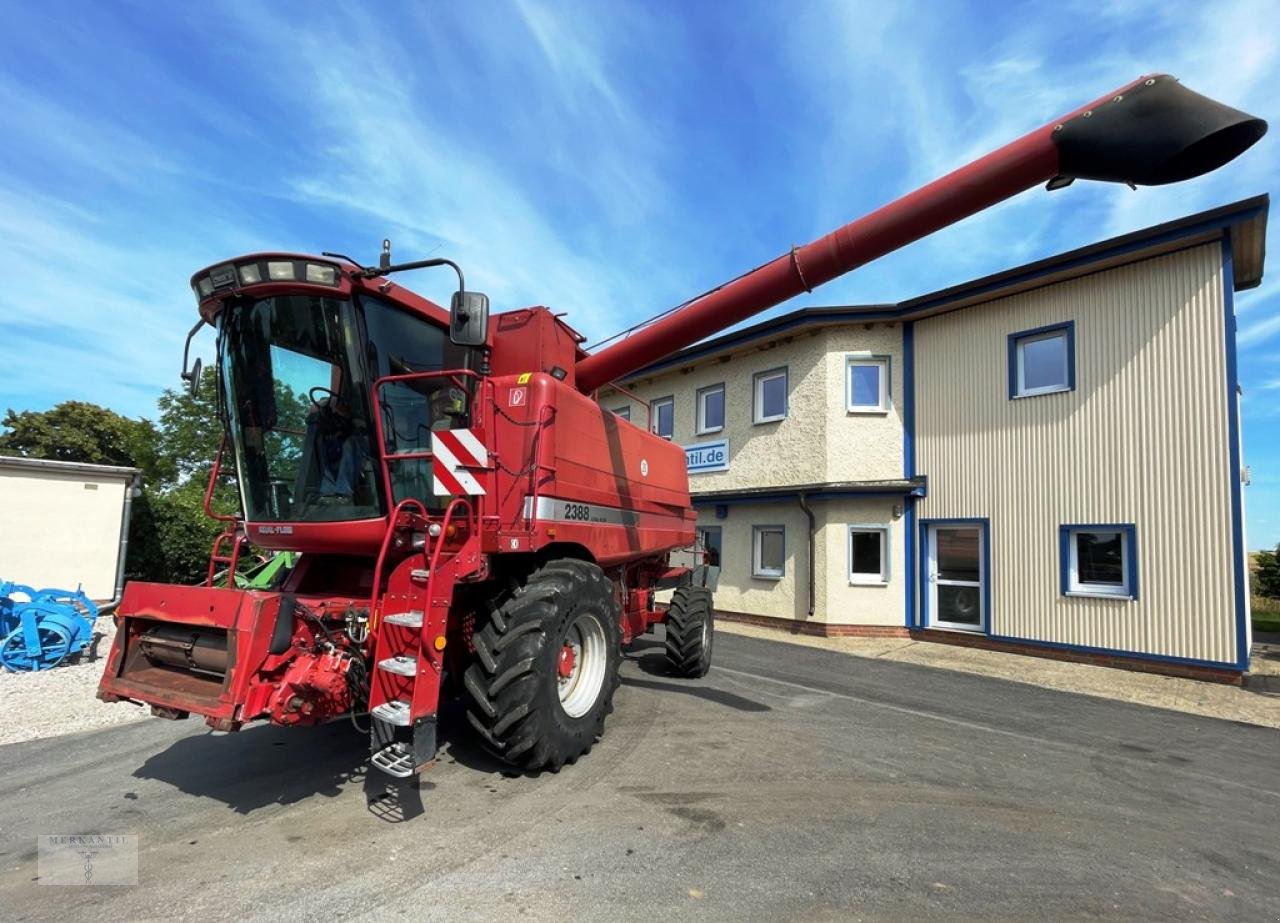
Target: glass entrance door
956, 577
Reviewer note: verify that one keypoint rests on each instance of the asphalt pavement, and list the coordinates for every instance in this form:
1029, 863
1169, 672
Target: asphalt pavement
791, 783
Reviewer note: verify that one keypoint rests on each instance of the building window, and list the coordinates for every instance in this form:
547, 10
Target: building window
624, 412
1099, 560
663, 412
1042, 361
712, 541
768, 552
867, 384
770, 396
868, 554
710, 410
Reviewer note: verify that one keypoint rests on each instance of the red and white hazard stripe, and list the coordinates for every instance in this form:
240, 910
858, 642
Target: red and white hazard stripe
455, 451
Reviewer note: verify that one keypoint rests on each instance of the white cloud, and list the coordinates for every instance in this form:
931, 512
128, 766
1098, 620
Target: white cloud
1258, 332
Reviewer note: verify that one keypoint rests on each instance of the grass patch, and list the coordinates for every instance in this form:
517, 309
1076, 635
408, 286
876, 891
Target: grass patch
1266, 614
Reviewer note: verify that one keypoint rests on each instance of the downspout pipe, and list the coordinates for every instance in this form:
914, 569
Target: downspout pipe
813, 531
132, 490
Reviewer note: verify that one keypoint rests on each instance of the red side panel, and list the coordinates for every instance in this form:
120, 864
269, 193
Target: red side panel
571, 472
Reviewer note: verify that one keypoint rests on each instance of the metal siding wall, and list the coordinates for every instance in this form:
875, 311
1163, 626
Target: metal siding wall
1142, 439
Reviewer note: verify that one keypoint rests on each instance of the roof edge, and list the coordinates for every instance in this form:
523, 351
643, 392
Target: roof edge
66, 467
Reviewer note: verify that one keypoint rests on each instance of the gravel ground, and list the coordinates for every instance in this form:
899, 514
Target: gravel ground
62, 700
1191, 696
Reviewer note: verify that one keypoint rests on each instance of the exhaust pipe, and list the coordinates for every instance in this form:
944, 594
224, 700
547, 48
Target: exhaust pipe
1155, 133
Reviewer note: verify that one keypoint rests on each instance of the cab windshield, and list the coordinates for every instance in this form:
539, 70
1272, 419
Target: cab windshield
297, 374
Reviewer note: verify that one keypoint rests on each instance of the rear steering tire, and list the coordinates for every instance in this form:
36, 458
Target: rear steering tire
690, 632
546, 666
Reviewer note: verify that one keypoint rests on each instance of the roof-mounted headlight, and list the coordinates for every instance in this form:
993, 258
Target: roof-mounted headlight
280, 271
223, 277
250, 274
322, 273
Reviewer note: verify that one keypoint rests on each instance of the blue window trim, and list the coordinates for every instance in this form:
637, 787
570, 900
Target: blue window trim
887, 397
1014, 338
755, 530
1233, 450
697, 409
1065, 532
982, 523
909, 464
786, 397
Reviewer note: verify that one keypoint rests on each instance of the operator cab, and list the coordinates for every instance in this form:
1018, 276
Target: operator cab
297, 365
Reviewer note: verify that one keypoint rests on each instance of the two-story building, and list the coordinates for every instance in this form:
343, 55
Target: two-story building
1046, 460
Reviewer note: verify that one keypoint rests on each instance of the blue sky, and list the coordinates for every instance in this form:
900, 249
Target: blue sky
606, 159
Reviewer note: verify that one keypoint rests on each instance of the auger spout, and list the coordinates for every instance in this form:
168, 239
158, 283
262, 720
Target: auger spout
1150, 132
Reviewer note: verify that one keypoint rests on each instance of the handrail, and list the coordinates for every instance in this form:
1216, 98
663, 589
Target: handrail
375, 596
213, 482
385, 458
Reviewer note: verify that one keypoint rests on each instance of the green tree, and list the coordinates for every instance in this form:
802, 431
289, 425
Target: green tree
1266, 576
171, 537
78, 431
189, 431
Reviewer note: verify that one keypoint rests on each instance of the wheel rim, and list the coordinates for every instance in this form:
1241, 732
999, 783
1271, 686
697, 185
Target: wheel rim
581, 664
55, 642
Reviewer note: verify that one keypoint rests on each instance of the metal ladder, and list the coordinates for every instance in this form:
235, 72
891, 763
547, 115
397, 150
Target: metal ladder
408, 661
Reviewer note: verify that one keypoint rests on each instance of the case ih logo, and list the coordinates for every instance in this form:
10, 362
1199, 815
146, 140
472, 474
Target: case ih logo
456, 451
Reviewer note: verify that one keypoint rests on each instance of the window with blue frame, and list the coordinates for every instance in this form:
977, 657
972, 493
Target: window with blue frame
1099, 560
1042, 361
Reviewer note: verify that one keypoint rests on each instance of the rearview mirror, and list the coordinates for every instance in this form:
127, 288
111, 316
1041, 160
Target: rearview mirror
469, 318
192, 377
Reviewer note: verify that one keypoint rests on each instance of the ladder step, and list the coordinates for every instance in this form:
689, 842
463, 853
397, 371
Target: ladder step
395, 760
393, 712
401, 663
411, 619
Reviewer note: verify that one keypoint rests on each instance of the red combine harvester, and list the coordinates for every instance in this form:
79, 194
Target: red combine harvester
470, 519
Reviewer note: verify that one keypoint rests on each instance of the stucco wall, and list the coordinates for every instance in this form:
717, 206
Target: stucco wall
739, 591
1142, 439
863, 446
60, 529
845, 603
789, 451
819, 441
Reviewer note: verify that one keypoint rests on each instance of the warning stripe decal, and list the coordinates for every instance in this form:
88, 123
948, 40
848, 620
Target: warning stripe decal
455, 451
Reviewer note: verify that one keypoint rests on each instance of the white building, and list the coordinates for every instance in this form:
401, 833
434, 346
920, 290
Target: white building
64, 524
1046, 460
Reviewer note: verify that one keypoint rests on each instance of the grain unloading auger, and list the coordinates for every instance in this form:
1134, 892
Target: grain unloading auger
469, 518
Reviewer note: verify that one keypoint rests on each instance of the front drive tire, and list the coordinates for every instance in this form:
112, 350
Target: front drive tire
546, 666
690, 632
